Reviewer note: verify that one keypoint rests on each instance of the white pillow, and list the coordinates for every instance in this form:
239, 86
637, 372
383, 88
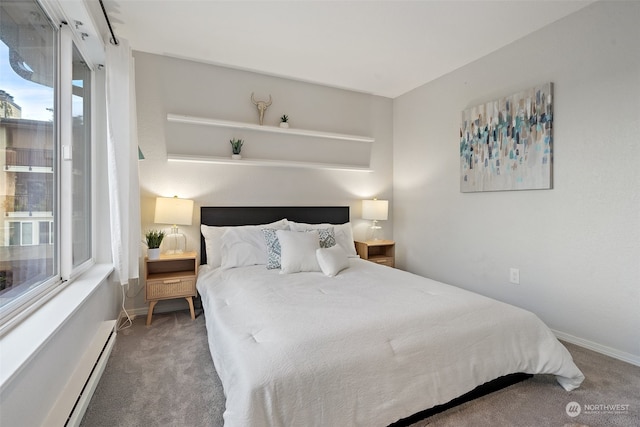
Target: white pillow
298, 251
343, 234
245, 245
332, 260
213, 243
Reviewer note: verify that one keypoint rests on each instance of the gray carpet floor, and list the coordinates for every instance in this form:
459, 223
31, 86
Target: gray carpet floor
162, 375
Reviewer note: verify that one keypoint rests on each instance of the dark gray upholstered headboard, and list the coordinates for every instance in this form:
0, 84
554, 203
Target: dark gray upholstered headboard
255, 215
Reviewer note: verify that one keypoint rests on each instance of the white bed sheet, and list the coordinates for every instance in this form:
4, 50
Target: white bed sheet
365, 348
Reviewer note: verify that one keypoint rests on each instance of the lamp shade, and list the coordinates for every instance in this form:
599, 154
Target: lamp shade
375, 209
171, 210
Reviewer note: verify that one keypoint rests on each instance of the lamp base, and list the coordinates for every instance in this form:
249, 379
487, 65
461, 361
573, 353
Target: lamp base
375, 232
174, 243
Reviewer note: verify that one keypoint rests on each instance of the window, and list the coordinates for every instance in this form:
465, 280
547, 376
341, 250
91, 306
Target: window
46, 232
81, 181
26, 233
45, 111
27, 136
14, 233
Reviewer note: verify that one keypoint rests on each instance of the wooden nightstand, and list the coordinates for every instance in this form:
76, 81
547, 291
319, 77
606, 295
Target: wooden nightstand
378, 251
170, 276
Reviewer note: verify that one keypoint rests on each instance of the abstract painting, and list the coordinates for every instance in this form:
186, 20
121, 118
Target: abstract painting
506, 144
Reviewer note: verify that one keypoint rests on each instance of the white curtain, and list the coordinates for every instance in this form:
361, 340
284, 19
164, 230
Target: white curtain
122, 159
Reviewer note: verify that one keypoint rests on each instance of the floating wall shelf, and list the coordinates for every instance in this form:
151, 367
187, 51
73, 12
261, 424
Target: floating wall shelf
177, 118
265, 162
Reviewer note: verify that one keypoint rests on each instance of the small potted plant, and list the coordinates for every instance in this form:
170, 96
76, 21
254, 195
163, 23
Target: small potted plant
284, 121
154, 239
236, 147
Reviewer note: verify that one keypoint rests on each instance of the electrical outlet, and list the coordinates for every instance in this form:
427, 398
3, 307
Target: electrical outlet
514, 276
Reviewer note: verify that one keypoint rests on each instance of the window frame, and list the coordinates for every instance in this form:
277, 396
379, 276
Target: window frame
86, 162
61, 228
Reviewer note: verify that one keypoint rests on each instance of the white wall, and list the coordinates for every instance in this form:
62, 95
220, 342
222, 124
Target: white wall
170, 85
578, 245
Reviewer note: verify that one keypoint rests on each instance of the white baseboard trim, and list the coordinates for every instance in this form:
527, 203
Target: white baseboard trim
598, 348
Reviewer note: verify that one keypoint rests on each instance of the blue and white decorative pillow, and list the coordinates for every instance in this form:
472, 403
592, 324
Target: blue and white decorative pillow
327, 237
273, 248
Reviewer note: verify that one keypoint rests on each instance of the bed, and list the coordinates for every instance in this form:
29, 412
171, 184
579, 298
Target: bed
352, 344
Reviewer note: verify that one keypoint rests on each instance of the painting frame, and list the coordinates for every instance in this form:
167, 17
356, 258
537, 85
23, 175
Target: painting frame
507, 144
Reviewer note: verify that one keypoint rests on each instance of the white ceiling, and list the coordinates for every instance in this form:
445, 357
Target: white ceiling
385, 47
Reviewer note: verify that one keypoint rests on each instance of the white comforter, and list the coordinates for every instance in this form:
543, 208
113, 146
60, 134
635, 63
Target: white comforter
365, 348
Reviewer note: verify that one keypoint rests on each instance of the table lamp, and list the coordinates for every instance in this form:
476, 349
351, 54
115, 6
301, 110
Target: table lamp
375, 210
174, 211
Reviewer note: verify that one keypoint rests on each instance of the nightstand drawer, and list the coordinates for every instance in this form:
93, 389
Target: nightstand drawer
170, 288
388, 261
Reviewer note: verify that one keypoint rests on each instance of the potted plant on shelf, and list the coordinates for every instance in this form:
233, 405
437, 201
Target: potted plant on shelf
154, 239
284, 121
236, 147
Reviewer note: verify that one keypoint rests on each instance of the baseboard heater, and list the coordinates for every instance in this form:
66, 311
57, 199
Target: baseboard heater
74, 399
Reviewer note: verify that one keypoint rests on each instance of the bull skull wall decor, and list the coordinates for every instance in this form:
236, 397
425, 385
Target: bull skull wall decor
262, 106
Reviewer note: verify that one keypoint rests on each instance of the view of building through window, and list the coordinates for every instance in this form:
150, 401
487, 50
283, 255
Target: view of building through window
81, 185
28, 172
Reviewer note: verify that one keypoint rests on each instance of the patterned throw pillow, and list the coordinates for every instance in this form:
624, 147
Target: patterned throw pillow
273, 248
327, 237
